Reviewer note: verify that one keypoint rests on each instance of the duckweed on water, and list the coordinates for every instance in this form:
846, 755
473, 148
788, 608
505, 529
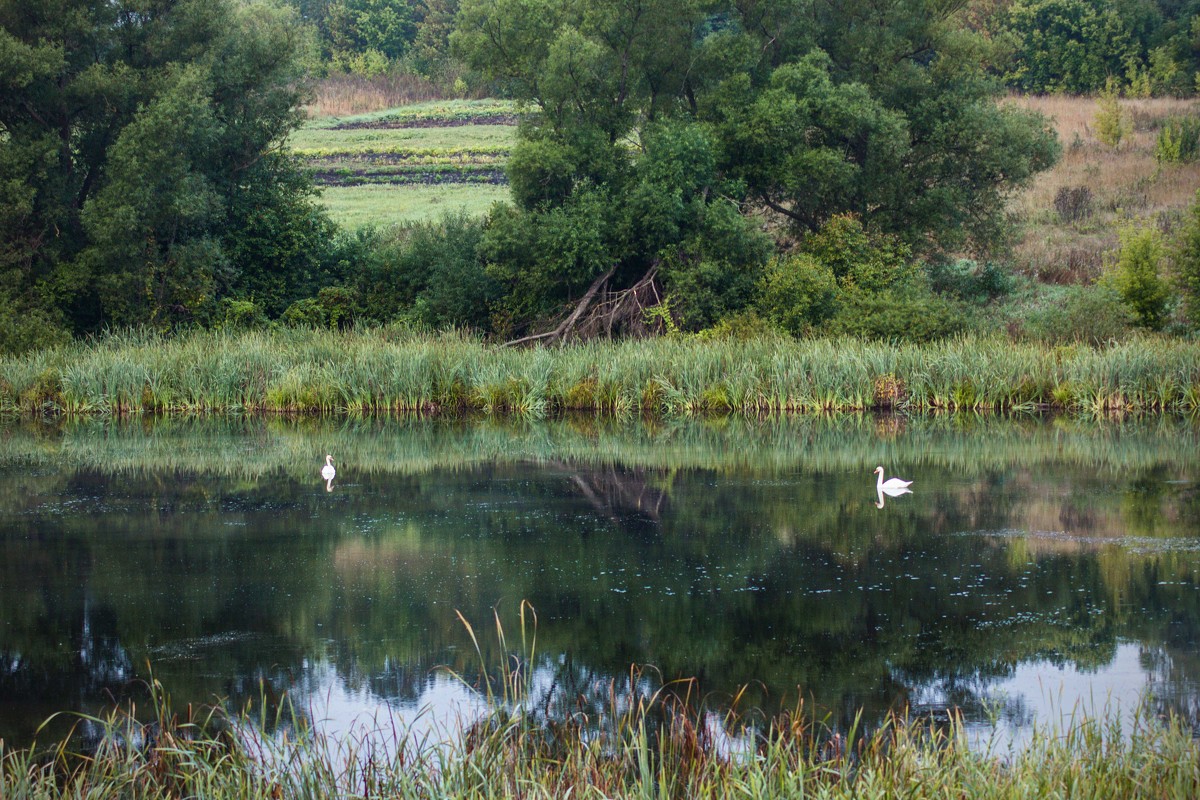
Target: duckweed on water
395, 371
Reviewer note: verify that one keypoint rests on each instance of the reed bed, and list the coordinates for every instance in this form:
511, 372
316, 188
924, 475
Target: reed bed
659, 745
381, 371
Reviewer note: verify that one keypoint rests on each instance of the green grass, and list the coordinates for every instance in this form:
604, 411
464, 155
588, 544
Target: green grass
431, 112
391, 370
382, 204
658, 745
463, 138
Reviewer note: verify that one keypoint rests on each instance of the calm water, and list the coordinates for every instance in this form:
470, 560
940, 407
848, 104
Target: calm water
1039, 567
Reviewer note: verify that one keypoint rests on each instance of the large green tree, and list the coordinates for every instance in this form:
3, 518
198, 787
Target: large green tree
134, 136
652, 120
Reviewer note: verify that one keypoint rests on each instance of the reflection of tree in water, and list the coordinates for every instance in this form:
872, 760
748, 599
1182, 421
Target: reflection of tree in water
788, 581
615, 492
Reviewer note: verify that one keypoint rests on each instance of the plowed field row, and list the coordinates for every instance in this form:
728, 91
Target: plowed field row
459, 146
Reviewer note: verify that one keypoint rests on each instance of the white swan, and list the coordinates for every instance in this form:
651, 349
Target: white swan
328, 472
892, 486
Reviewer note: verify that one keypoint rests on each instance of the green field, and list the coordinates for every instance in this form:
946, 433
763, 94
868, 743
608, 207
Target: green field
328, 141
411, 163
382, 204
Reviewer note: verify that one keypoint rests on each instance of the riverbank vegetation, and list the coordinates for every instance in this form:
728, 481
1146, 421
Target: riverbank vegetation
659, 746
392, 370
738, 173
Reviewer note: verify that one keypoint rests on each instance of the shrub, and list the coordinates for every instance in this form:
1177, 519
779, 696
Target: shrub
1187, 264
911, 314
23, 329
858, 257
333, 307
1073, 203
1178, 140
241, 315
1084, 314
797, 293
970, 281
1137, 278
1112, 123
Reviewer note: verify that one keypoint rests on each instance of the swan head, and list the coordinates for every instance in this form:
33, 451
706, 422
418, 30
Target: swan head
879, 470
329, 460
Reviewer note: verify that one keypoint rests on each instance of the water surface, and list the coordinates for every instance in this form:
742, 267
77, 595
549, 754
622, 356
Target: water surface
1039, 568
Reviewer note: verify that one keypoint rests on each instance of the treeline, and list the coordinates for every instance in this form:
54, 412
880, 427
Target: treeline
1149, 47
681, 166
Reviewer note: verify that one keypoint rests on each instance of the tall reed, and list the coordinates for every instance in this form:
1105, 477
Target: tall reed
394, 371
656, 744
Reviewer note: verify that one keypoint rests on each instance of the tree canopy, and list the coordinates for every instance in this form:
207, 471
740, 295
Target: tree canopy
142, 175
659, 125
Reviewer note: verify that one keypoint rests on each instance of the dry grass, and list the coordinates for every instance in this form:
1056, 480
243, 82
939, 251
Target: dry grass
1127, 186
341, 95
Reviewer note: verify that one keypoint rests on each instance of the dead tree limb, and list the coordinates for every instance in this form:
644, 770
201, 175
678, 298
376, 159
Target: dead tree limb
565, 326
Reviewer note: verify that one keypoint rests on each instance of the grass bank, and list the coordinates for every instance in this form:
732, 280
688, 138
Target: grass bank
397, 371
654, 748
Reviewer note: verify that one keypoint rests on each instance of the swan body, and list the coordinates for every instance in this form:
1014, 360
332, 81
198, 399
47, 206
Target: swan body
328, 472
892, 486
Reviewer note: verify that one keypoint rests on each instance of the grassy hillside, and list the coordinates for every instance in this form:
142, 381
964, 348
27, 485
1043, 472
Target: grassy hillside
415, 162
1071, 214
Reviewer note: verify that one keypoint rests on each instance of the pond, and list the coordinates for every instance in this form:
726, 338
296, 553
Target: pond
1039, 568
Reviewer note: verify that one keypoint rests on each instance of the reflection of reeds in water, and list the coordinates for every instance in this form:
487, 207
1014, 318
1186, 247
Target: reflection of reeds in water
254, 447
389, 371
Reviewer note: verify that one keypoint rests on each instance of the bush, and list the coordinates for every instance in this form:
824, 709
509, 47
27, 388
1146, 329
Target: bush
333, 307
1085, 314
1178, 140
430, 273
1187, 264
23, 330
797, 293
859, 258
240, 315
1112, 123
970, 281
910, 314
1073, 203
1136, 277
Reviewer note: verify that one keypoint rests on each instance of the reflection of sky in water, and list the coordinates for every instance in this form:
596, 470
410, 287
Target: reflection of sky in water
1039, 694
1051, 697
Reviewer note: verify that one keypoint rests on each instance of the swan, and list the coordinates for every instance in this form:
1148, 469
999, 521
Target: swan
892, 486
328, 472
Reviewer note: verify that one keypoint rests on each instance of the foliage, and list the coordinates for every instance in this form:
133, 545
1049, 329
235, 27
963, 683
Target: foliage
798, 293
1186, 257
133, 132
1137, 276
429, 273
907, 314
1112, 122
1093, 315
646, 127
1071, 45
970, 281
334, 307
1178, 140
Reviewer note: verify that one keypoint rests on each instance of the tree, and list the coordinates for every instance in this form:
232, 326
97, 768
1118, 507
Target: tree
1187, 264
133, 133
775, 106
1136, 276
